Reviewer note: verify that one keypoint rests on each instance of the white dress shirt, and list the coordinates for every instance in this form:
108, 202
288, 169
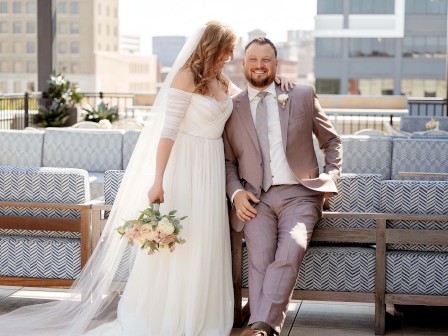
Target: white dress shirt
281, 173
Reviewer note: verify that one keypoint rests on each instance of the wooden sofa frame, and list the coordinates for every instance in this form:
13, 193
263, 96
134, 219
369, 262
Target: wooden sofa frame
81, 225
380, 236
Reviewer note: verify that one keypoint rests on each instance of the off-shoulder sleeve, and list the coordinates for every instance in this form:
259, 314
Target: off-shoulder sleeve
233, 89
177, 104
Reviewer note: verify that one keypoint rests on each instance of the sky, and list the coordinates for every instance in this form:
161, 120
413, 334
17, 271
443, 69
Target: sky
149, 18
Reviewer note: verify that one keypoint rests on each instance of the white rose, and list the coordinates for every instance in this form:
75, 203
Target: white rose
165, 226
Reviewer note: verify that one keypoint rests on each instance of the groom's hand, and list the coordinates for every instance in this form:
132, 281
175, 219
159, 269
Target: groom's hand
244, 210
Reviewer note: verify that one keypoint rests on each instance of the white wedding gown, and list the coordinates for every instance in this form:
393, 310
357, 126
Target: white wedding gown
188, 292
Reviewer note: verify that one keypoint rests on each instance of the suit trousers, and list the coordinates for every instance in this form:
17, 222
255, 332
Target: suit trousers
276, 241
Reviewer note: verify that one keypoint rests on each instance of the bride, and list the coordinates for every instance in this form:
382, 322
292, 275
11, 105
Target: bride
180, 153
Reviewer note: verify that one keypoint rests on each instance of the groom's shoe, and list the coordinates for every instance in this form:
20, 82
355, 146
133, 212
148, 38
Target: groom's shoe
254, 332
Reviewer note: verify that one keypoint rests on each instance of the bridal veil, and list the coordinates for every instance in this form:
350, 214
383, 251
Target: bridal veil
95, 288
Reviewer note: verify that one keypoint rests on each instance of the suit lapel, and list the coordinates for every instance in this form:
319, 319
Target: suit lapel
284, 116
243, 109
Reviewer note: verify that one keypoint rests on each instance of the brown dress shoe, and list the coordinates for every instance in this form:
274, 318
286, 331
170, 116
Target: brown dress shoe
253, 332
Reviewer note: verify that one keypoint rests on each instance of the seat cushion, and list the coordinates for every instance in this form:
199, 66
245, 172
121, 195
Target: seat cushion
424, 273
40, 257
332, 268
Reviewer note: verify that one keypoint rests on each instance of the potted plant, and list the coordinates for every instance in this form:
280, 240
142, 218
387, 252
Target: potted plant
102, 112
58, 103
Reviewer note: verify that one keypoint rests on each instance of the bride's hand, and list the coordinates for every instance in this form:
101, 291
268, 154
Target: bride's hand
155, 193
285, 83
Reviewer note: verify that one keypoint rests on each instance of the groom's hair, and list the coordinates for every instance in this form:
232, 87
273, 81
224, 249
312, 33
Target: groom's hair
261, 41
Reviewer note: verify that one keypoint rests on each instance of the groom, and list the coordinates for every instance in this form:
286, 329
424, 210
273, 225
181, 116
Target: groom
273, 180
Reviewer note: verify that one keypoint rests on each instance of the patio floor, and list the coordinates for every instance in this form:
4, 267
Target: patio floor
310, 318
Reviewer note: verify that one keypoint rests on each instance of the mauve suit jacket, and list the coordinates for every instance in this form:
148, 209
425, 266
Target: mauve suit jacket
299, 119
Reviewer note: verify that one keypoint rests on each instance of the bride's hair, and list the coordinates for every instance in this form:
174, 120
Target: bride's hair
217, 39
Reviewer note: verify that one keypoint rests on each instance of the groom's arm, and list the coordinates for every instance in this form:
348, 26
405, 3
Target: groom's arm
233, 182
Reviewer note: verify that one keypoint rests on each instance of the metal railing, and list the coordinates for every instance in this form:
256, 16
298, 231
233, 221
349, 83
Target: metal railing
16, 110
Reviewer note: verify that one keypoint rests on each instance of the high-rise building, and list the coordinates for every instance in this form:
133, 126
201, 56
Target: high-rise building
167, 48
85, 48
381, 47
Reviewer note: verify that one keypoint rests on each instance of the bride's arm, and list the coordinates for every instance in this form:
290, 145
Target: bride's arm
178, 99
284, 82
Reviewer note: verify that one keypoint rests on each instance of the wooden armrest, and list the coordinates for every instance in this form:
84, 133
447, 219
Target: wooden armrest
400, 175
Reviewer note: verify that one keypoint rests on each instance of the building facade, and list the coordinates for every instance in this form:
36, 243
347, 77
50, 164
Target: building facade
86, 48
381, 47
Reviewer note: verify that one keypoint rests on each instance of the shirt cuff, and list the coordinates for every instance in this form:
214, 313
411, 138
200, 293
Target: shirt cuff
233, 195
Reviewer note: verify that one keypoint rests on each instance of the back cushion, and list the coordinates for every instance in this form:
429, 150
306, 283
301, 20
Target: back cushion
419, 155
21, 148
90, 149
130, 139
365, 154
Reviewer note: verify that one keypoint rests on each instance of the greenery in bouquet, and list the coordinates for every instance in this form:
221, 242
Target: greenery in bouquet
153, 231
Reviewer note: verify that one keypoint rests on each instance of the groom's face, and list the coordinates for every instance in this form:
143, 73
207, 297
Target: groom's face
260, 65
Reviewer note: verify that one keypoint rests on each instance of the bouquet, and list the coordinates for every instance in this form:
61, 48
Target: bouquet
152, 230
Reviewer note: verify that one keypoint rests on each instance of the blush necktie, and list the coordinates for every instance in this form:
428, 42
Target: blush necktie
261, 125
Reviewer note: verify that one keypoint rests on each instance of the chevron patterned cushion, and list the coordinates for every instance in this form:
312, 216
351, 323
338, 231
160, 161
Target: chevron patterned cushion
95, 150
377, 161
112, 181
419, 155
42, 185
324, 268
356, 193
38, 257
424, 273
21, 148
129, 141
126, 262
415, 197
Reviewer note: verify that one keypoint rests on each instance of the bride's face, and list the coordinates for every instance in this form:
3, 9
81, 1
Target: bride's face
225, 57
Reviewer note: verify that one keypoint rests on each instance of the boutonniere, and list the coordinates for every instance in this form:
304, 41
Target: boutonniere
282, 99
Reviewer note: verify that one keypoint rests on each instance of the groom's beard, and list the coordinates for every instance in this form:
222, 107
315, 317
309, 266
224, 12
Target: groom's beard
259, 83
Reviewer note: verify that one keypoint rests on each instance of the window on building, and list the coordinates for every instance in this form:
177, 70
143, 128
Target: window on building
30, 87
17, 27
329, 86
371, 86
16, 7
62, 47
62, 7
30, 27
3, 27
372, 6
30, 47
99, 28
3, 7
4, 66
74, 7
74, 47
107, 11
423, 87
31, 7
424, 46
426, 7
328, 47
107, 30
62, 67
63, 28
74, 28
329, 7
17, 66
17, 86
31, 66
17, 47
3, 47
75, 67
376, 47
99, 9
3, 86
